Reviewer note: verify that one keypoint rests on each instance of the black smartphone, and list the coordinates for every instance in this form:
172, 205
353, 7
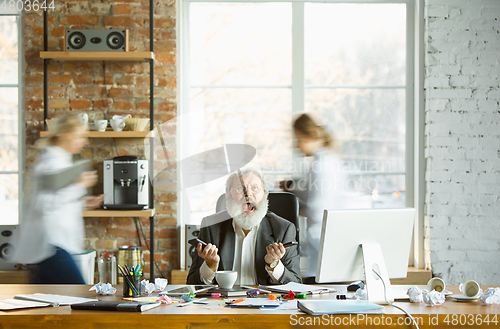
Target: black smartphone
194, 242
289, 244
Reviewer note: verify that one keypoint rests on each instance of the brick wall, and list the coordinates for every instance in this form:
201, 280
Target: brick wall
80, 87
463, 139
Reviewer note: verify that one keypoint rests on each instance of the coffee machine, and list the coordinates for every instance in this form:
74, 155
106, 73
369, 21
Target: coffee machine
126, 183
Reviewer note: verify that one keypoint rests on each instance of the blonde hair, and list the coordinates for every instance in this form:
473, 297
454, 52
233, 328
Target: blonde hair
65, 123
306, 126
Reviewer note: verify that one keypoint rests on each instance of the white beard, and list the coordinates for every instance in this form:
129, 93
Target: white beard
242, 219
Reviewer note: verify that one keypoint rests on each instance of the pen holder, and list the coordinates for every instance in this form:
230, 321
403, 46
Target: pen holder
132, 286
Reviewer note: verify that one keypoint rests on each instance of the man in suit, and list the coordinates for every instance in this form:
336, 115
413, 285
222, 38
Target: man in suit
246, 238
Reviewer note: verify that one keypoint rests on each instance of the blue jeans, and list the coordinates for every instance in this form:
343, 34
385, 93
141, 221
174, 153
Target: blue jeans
58, 269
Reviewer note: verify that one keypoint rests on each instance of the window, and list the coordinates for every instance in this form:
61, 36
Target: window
10, 141
247, 68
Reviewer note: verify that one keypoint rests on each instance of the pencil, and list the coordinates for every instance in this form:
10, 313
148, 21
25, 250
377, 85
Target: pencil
130, 284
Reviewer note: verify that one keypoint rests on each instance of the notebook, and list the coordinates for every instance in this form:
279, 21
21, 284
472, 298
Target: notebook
63, 177
319, 307
122, 306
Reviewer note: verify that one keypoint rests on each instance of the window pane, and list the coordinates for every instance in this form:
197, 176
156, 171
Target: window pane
8, 50
257, 117
369, 127
9, 199
235, 43
355, 44
9, 129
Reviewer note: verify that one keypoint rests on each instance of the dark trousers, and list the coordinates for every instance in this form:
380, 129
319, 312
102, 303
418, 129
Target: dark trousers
58, 269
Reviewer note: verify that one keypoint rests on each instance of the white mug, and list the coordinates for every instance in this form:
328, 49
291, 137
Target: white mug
226, 279
436, 284
470, 288
100, 125
117, 124
84, 118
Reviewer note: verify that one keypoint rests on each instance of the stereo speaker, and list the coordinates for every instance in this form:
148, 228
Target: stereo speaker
6, 248
96, 40
192, 231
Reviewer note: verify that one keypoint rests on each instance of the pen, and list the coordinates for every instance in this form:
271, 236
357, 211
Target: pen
239, 300
129, 282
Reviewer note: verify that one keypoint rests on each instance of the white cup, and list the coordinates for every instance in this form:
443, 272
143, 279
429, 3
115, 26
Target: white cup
436, 284
117, 124
226, 279
470, 288
100, 125
84, 118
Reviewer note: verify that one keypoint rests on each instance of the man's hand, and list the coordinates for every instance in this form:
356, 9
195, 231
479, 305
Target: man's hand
275, 252
209, 254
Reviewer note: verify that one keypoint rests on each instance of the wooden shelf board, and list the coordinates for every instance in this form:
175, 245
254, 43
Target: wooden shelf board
118, 213
104, 134
97, 55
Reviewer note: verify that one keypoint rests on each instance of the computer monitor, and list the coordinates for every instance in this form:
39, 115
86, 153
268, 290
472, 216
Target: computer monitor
352, 240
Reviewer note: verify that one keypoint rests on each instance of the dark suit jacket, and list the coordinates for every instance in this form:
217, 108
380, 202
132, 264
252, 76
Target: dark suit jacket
218, 229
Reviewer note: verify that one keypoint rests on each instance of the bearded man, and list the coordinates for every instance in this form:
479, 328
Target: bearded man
246, 238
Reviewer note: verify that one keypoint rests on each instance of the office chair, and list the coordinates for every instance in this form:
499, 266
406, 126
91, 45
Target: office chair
283, 204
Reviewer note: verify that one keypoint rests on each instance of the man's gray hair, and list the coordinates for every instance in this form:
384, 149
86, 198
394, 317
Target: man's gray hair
245, 173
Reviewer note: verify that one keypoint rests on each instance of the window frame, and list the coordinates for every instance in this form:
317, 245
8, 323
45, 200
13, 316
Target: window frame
414, 144
20, 103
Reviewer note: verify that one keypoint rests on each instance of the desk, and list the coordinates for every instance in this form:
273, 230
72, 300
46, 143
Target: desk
196, 316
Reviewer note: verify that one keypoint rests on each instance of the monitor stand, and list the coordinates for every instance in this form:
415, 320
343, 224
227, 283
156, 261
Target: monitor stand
373, 260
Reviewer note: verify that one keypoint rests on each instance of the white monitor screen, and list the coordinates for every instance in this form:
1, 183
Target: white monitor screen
340, 256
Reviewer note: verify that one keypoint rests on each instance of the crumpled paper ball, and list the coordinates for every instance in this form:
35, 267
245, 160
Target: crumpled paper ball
149, 287
415, 295
433, 298
490, 296
360, 294
104, 289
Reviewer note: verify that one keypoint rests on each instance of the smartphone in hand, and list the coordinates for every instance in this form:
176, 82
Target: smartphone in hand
289, 244
194, 242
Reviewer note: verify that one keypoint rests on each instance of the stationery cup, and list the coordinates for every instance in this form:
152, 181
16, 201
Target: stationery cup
436, 284
117, 124
100, 125
226, 279
470, 288
135, 289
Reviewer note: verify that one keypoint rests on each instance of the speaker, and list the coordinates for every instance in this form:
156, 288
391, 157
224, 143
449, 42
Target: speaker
96, 40
6, 248
192, 231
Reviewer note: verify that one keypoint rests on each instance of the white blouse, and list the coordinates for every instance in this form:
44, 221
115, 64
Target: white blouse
53, 218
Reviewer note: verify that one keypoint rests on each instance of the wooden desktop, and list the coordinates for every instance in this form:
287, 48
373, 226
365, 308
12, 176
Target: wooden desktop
459, 315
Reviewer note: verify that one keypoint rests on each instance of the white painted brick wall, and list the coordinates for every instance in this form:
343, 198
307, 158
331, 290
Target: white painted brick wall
462, 82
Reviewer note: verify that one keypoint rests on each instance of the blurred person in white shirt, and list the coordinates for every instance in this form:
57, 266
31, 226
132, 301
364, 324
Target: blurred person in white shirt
52, 227
321, 188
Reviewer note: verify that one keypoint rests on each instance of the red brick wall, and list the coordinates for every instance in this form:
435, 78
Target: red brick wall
79, 87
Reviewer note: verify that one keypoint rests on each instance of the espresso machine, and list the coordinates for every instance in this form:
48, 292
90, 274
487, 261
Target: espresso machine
126, 183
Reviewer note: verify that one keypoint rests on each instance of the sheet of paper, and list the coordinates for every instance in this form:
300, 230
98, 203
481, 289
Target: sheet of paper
298, 288
15, 304
53, 299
